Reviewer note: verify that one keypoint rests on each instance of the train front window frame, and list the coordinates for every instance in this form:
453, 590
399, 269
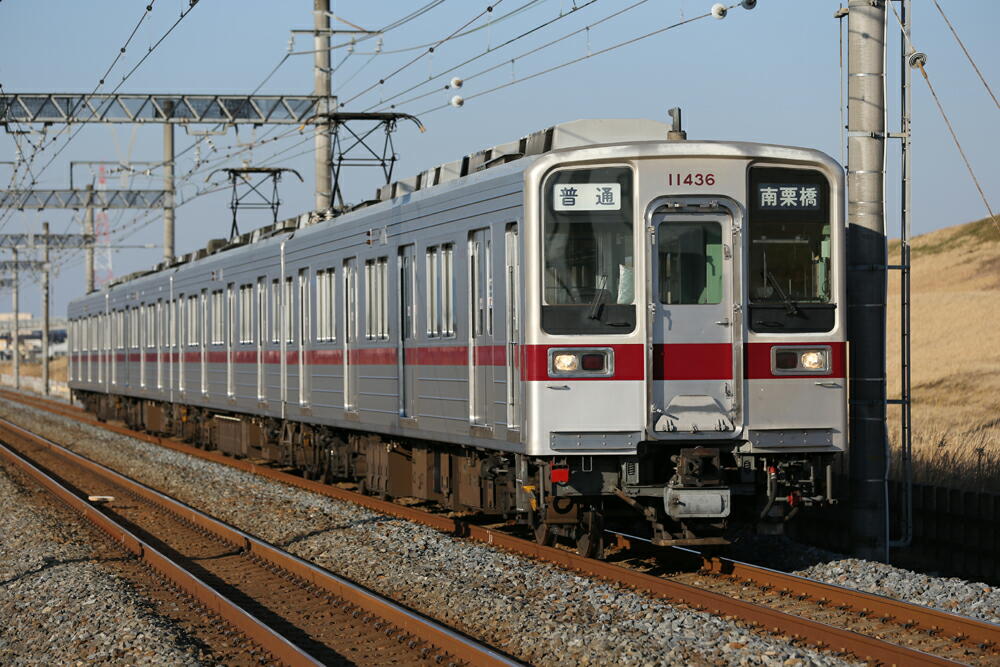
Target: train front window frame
588, 250
790, 280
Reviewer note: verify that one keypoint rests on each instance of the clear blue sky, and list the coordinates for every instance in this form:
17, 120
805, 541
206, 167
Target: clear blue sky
768, 75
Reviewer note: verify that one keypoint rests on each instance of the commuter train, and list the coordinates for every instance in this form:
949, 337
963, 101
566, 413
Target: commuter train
598, 328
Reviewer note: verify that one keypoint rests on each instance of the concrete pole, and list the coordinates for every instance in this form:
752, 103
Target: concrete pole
88, 229
866, 279
321, 80
16, 337
45, 311
168, 187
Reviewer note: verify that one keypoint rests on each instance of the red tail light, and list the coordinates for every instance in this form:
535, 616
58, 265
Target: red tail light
786, 360
559, 475
592, 362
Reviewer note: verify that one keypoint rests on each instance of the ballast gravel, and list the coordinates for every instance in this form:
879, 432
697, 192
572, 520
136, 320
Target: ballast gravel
534, 611
61, 603
957, 596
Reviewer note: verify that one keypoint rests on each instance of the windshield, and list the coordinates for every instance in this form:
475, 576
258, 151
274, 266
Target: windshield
589, 250
789, 261
789, 237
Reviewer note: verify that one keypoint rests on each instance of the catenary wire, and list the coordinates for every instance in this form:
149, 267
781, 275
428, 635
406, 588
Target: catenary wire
149, 52
954, 136
554, 68
489, 9
485, 53
183, 178
417, 47
509, 61
967, 54
37, 150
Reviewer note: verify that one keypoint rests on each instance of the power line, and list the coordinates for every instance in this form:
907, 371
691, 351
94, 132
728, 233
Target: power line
968, 165
575, 60
428, 51
417, 47
966, 52
488, 51
149, 52
918, 62
201, 167
121, 52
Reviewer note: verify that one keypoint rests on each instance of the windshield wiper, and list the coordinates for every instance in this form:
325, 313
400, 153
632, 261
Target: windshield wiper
595, 305
790, 306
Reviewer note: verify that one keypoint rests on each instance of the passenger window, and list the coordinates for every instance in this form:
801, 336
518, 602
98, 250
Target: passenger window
690, 262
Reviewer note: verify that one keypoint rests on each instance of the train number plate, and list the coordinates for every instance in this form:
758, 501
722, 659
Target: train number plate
690, 178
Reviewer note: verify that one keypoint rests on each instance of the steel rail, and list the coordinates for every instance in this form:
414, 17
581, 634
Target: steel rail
249, 625
445, 639
928, 619
812, 632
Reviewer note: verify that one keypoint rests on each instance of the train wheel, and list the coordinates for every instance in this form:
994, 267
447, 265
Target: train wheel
544, 535
543, 531
590, 535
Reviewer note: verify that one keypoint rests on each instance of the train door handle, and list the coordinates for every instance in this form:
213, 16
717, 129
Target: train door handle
558, 387
724, 322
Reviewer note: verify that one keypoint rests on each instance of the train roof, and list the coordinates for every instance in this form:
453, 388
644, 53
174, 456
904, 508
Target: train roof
572, 134
564, 136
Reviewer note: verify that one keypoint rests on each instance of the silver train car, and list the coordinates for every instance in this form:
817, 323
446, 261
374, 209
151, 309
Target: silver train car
593, 328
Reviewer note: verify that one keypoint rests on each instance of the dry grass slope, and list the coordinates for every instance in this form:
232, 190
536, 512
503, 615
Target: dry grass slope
955, 311
57, 369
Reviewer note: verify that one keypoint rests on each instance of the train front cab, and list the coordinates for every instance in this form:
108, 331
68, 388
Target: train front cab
685, 358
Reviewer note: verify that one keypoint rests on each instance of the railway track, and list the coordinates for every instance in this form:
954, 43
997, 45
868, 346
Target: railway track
297, 612
871, 627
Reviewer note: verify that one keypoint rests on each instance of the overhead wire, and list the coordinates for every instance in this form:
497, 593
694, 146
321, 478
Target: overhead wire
417, 47
201, 168
149, 52
954, 136
510, 61
489, 9
184, 177
485, 53
590, 54
967, 54
38, 149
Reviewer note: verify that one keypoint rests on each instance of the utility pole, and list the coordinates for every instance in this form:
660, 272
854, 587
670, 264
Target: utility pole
866, 278
45, 311
88, 231
16, 337
321, 79
168, 187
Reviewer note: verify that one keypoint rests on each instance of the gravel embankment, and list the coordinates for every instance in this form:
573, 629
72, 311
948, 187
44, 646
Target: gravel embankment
975, 600
957, 596
61, 602
535, 611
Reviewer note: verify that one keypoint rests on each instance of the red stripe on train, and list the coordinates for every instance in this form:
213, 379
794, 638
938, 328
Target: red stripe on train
441, 355
672, 361
630, 362
758, 360
693, 361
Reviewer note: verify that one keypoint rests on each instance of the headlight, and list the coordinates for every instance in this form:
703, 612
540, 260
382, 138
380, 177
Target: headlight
800, 360
813, 360
581, 362
565, 363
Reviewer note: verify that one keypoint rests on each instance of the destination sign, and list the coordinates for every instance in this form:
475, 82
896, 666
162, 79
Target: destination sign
587, 196
787, 196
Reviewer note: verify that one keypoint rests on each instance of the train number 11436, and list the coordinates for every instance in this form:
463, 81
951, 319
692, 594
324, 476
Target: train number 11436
690, 179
